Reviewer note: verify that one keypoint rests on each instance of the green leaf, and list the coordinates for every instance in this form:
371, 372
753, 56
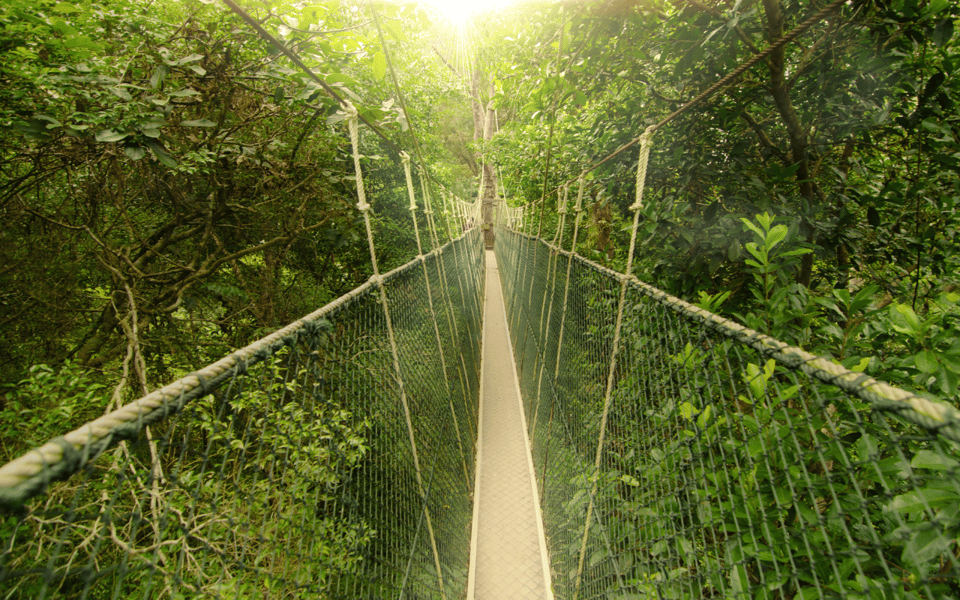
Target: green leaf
161, 153
918, 500
943, 32
739, 582
65, 8
924, 549
81, 41
704, 417
379, 66
863, 297
926, 361
752, 227
159, 74
948, 379
135, 151
904, 319
109, 135
341, 78
199, 123
765, 220
927, 459
190, 58
121, 93
596, 557
776, 235
52, 123
810, 593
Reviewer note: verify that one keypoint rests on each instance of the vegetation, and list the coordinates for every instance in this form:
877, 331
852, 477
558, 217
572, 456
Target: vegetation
813, 201
173, 187
847, 138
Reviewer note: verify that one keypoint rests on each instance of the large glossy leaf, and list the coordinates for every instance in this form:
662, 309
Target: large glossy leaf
161, 153
198, 123
109, 135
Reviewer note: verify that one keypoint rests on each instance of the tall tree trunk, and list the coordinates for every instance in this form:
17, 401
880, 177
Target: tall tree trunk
797, 136
483, 128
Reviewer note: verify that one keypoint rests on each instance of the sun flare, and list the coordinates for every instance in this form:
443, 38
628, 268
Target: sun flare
459, 11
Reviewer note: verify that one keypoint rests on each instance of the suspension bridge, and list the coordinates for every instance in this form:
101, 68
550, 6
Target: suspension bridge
518, 422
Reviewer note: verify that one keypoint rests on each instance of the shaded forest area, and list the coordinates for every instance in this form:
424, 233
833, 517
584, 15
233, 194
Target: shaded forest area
172, 187
815, 200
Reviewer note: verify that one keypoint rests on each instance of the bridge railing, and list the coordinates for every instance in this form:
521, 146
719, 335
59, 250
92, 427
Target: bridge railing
705, 460
309, 464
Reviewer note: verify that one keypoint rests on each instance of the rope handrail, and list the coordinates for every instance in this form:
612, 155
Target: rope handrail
62, 457
940, 418
690, 456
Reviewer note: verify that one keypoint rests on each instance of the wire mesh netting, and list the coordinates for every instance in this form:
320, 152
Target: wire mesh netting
717, 466
299, 473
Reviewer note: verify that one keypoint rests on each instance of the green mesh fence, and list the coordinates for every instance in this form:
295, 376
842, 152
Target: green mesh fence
286, 471
730, 465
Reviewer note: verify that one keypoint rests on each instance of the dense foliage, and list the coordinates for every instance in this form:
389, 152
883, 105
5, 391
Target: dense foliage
173, 187
847, 139
815, 201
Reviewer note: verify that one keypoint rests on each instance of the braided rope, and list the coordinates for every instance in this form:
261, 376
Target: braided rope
62, 457
646, 140
938, 417
643, 160
353, 124
563, 204
405, 159
545, 308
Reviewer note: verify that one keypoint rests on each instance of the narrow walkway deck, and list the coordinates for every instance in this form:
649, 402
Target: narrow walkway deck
508, 558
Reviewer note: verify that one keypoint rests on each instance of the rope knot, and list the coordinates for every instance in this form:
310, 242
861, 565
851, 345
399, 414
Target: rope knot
404, 157
350, 109
353, 124
646, 138
583, 184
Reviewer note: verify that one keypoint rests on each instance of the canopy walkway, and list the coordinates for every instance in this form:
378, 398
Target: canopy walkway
671, 453
515, 423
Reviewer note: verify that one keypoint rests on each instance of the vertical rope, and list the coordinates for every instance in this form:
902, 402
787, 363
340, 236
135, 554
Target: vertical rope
644, 158
578, 209
405, 159
353, 123
451, 322
547, 309
428, 210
